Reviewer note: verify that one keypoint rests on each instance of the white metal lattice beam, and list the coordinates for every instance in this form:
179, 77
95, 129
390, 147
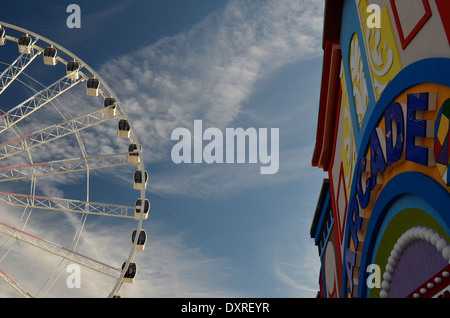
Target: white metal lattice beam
17, 67
44, 169
14, 284
59, 251
65, 205
52, 133
36, 101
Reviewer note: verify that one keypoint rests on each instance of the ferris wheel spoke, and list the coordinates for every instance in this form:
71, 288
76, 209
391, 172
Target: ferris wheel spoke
36, 101
60, 251
66, 205
14, 284
18, 66
52, 133
44, 169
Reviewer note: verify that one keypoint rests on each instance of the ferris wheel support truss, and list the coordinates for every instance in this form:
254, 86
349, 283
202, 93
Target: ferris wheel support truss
59, 251
17, 67
35, 102
66, 205
52, 133
45, 169
14, 284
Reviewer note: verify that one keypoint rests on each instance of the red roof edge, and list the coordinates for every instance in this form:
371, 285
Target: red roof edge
330, 84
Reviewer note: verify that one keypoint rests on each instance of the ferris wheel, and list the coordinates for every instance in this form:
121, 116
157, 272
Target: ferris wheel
65, 140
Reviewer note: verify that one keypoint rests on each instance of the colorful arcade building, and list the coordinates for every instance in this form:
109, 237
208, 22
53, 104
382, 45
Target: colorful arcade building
382, 221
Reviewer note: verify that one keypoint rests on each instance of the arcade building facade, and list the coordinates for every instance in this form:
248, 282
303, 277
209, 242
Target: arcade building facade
382, 221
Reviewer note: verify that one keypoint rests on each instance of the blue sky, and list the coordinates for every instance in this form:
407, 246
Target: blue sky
220, 230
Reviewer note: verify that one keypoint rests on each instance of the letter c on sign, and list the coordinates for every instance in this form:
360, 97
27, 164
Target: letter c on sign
363, 196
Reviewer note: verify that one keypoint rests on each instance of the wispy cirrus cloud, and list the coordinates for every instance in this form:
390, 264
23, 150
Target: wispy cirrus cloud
297, 267
209, 71
167, 267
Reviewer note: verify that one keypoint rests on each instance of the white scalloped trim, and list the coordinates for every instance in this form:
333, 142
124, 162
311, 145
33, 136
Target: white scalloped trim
413, 234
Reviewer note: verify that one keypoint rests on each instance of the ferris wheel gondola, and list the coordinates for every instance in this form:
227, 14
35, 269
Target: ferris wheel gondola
123, 129
50, 56
24, 44
92, 86
141, 210
110, 106
134, 153
73, 70
141, 240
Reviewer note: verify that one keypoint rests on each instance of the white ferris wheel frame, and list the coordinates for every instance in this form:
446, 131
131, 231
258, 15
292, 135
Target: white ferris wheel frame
48, 134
